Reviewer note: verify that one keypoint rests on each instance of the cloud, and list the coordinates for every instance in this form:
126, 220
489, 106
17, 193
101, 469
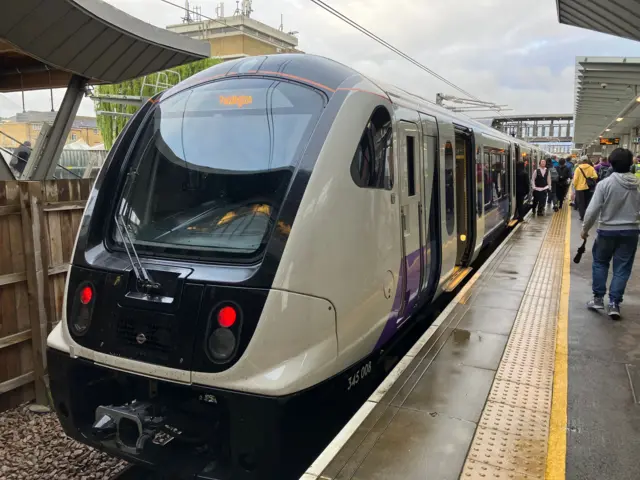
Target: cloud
508, 52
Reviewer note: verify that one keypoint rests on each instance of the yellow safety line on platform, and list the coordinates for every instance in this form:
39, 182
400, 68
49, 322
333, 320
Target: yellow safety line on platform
512, 437
557, 447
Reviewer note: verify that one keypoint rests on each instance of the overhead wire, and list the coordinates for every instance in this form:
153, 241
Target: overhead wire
366, 32
383, 42
397, 51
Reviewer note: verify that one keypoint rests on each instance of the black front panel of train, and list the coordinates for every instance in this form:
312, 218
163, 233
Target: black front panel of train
218, 272
177, 334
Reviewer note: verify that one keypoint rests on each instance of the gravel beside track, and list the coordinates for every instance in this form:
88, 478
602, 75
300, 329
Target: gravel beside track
33, 446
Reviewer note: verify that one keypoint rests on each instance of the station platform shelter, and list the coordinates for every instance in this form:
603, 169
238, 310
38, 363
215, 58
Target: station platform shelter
607, 105
516, 379
75, 44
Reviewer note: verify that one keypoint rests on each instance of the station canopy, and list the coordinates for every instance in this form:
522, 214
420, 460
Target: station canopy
607, 98
44, 43
620, 18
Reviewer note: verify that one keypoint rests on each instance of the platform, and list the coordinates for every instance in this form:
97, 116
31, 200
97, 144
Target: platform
515, 379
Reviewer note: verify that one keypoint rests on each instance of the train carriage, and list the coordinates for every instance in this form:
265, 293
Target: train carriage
258, 236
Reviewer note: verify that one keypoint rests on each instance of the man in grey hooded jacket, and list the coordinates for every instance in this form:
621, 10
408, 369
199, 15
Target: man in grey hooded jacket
616, 204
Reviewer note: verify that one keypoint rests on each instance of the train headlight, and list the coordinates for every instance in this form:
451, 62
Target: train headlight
224, 328
83, 303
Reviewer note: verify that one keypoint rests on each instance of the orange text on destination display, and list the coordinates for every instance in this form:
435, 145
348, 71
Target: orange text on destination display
238, 100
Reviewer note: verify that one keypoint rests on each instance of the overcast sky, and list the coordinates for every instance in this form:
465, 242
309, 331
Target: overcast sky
506, 51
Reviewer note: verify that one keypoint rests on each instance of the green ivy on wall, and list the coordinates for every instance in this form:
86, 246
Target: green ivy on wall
110, 126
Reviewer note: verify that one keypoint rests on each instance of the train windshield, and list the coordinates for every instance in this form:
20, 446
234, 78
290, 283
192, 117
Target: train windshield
211, 167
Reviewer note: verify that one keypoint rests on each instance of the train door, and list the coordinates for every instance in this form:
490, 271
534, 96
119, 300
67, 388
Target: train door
411, 212
448, 238
430, 196
518, 157
512, 163
465, 201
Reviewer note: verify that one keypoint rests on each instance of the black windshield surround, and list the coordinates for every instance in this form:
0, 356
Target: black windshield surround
211, 167
96, 250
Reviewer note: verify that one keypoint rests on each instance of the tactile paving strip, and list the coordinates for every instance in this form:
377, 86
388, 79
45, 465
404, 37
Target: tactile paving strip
536, 377
508, 449
512, 435
521, 395
515, 421
477, 470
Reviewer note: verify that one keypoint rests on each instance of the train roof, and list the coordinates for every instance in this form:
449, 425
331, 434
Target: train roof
329, 75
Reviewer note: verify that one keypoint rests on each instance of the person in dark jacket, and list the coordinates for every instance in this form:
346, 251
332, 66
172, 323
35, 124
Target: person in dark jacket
564, 179
21, 156
522, 190
603, 168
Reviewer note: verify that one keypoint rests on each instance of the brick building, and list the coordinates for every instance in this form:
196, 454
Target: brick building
26, 126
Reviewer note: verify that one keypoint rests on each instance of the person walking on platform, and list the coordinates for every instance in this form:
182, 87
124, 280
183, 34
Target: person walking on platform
584, 181
553, 173
522, 190
616, 206
541, 183
564, 179
635, 168
570, 165
21, 157
603, 169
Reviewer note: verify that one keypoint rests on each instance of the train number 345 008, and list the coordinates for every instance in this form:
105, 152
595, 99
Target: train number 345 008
359, 375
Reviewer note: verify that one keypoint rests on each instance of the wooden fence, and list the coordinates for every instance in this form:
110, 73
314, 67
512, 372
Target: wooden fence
38, 226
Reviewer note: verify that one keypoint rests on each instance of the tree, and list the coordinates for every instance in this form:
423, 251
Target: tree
111, 125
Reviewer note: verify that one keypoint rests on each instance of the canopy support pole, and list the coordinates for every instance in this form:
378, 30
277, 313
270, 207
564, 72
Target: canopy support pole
44, 159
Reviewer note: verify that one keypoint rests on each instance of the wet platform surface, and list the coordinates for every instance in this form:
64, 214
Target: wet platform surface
603, 435
516, 380
457, 386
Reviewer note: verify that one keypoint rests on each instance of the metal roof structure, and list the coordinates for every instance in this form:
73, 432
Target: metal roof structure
620, 18
44, 43
607, 98
73, 43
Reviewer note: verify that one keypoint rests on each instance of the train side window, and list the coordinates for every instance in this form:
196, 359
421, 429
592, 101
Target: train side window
411, 166
449, 187
372, 164
503, 174
496, 176
488, 184
479, 182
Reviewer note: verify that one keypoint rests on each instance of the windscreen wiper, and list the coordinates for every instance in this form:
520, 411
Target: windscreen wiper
143, 277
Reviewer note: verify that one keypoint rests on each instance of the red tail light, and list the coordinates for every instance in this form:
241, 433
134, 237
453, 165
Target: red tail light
227, 316
79, 319
86, 295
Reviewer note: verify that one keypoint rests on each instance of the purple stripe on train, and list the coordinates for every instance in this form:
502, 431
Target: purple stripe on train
396, 318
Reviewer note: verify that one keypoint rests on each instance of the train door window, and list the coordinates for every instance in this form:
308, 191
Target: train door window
372, 164
449, 187
503, 175
488, 184
497, 178
479, 182
411, 166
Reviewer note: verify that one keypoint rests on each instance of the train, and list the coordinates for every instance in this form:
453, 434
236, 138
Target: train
256, 239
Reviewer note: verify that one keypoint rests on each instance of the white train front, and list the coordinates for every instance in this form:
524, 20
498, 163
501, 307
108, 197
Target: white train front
256, 238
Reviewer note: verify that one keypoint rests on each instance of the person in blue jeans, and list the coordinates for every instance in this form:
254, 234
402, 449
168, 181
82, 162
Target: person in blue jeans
616, 206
